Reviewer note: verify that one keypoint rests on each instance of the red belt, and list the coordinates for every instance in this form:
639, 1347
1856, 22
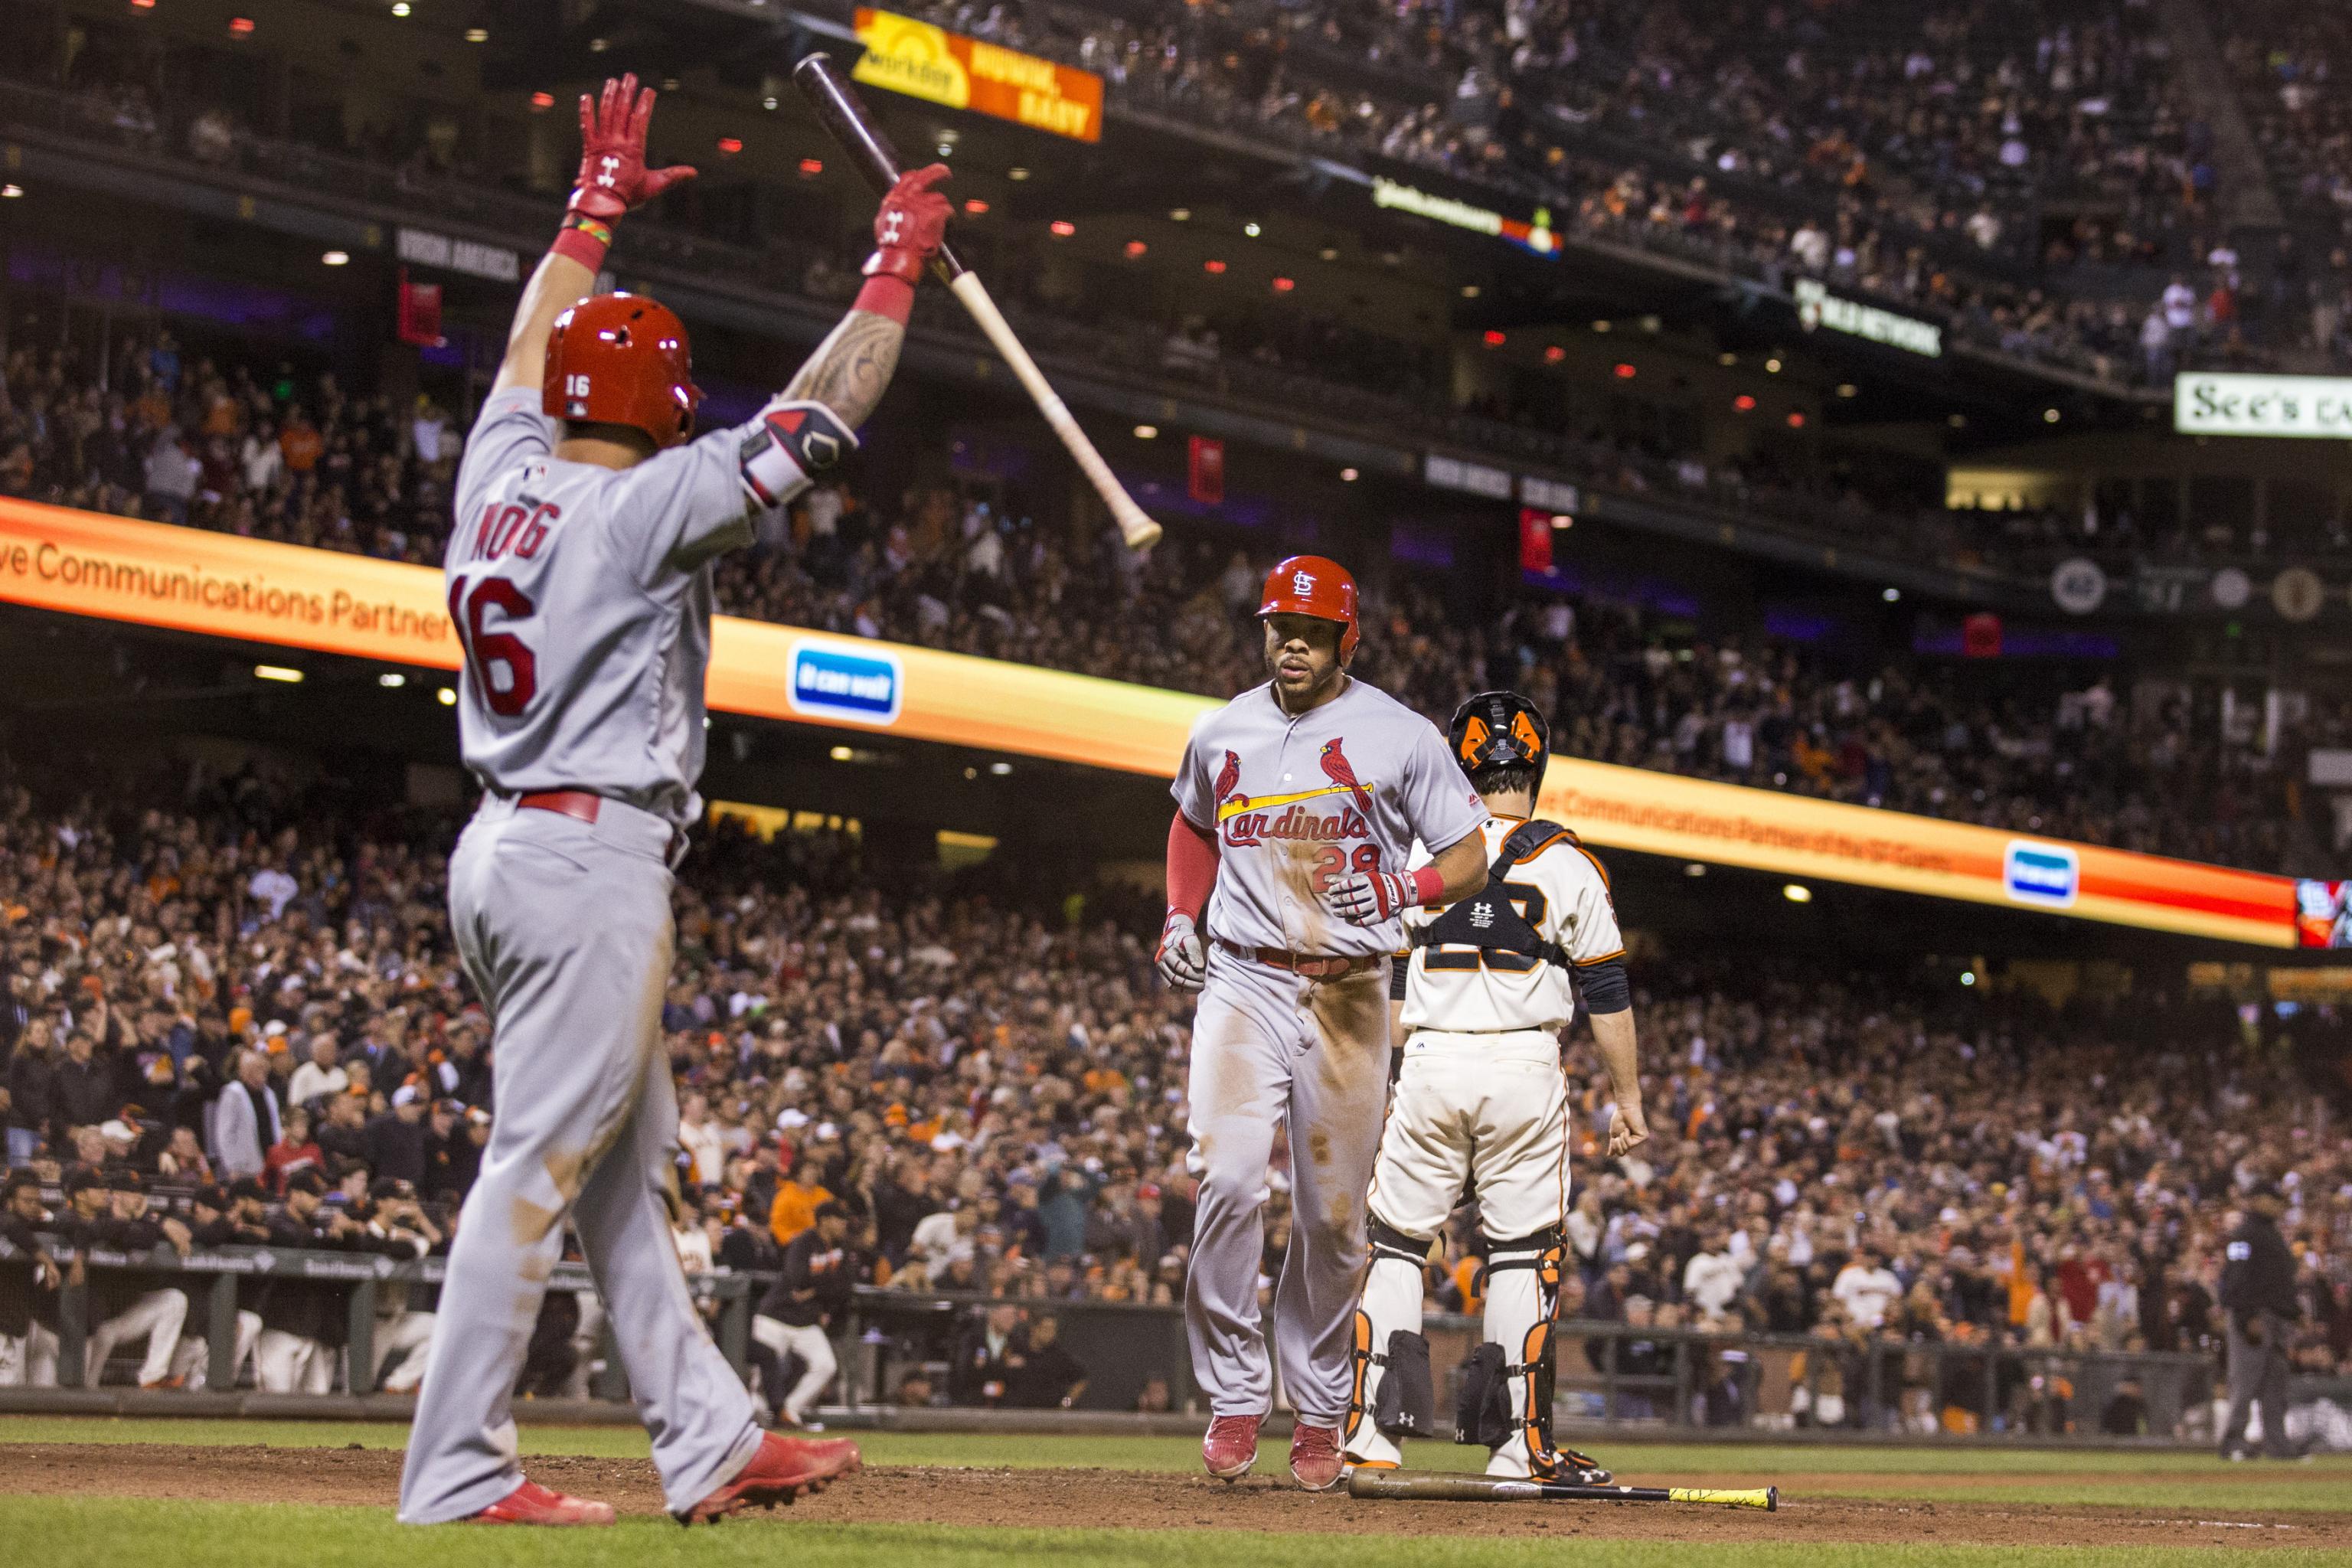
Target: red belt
1304, 966
576, 804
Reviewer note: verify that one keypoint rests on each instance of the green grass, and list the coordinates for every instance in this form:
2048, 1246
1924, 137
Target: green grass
112, 1530
106, 1532
2013, 1475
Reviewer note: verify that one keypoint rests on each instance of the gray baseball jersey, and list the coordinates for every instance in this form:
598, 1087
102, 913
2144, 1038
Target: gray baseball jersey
1298, 802
582, 596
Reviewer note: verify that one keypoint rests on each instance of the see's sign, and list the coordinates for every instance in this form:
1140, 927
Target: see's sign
2217, 402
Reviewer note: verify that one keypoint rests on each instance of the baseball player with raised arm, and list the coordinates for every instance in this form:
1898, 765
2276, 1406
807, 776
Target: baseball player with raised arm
1483, 1004
580, 581
1298, 803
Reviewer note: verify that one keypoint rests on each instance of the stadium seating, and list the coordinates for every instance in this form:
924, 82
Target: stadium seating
1001, 1095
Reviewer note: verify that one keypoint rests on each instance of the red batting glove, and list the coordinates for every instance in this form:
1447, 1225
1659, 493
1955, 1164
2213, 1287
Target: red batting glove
1375, 898
614, 178
909, 226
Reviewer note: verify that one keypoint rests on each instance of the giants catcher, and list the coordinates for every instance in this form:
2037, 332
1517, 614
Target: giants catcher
1482, 1003
1297, 805
580, 581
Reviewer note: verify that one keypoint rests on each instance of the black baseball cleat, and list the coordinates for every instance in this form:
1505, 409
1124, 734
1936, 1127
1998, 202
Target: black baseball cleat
1581, 1469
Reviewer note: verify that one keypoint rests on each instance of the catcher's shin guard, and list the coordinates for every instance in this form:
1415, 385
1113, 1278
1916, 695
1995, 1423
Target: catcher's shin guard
1522, 1296
1388, 1320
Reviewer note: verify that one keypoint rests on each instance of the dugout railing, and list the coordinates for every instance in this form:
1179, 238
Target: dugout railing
1611, 1375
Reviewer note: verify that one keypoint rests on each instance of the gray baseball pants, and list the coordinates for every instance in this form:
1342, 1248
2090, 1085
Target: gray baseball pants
564, 926
1270, 1048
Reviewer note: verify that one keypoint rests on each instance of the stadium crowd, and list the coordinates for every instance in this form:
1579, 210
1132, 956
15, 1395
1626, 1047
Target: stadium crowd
1914, 164
1911, 163
232, 1016
263, 453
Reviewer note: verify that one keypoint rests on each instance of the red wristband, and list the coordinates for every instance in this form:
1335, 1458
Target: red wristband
1428, 887
583, 239
884, 295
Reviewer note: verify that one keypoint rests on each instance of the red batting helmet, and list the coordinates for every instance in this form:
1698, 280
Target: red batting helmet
621, 359
1313, 586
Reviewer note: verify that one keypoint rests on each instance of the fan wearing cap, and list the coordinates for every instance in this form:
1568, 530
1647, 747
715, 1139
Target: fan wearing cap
1297, 805
1483, 1005
107, 1211
29, 1282
234, 1216
580, 583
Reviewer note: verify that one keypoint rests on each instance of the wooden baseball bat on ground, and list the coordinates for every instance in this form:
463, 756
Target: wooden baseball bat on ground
839, 108
1431, 1485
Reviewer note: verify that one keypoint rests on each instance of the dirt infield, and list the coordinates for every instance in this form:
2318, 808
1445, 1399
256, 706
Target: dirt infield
368, 1478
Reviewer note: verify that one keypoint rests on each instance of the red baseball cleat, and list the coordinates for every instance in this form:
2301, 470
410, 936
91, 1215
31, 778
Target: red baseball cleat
532, 1504
1231, 1447
1315, 1461
781, 1469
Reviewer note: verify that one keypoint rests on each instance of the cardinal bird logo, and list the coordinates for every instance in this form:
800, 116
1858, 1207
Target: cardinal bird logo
1228, 777
1337, 768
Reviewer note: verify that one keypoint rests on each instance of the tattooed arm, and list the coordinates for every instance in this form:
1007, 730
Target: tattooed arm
850, 369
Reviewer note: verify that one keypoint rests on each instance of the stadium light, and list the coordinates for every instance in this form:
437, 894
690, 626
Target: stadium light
1063, 227
812, 167
400, 7
1623, 371
1000, 769
336, 258
1967, 977
2050, 417
1250, 229
1847, 389
1495, 340
1797, 893
1744, 403
1892, 595
540, 102
392, 679
241, 26
1469, 290
1771, 367
11, 192
1147, 432
1554, 353
768, 104
841, 753
1285, 285
730, 145
1560, 520
1347, 476
1135, 248
1796, 420
975, 206
1016, 175
449, 696
283, 674
1212, 266
1693, 870
477, 34
1179, 215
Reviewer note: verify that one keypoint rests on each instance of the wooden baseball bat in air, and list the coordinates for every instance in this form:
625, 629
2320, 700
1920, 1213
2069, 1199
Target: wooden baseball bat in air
837, 106
1431, 1486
